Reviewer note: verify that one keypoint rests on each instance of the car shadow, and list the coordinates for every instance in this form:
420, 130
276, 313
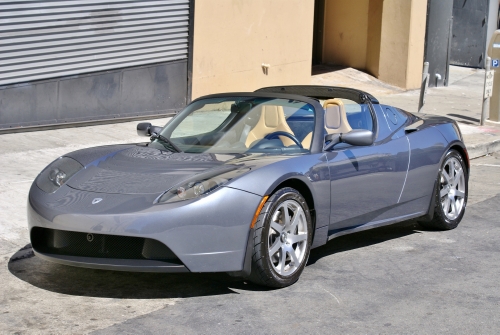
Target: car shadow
364, 239
53, 277
26, 266
472, 120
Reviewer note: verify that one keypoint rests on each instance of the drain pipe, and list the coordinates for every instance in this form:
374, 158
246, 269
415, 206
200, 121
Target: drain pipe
438, 78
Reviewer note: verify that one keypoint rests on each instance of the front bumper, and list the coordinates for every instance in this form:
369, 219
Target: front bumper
209, 234
130, 265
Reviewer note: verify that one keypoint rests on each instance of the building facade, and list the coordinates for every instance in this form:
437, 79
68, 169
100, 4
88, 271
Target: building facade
78, 61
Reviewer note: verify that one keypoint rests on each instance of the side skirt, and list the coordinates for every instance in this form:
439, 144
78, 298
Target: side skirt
376, 224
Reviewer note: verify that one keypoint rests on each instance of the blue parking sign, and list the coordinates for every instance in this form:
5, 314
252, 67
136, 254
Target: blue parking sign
495, 63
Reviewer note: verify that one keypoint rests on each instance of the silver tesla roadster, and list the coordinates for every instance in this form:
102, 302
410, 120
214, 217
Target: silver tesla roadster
249, 183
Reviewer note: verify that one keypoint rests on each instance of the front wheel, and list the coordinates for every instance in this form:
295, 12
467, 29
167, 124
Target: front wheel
451, 193
283, 236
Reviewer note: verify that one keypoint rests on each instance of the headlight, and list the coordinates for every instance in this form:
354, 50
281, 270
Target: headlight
200, 185
57, 173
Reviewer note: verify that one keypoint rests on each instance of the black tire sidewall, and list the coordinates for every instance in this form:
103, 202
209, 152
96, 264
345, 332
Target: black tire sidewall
278, 198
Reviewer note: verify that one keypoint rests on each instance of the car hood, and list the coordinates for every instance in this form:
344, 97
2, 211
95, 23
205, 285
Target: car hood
139, 169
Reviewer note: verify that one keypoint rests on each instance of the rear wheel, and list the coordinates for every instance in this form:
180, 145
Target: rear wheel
451, 193
283, 234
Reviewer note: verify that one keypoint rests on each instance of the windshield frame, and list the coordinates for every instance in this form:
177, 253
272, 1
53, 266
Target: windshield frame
317, 140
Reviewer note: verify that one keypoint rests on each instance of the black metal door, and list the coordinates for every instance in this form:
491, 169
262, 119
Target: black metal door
438, 40
470, 25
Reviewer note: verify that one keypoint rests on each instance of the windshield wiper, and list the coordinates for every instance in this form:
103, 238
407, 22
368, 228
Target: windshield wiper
155, 136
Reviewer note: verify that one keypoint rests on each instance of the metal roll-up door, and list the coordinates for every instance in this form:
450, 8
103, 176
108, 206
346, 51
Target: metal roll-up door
49, 39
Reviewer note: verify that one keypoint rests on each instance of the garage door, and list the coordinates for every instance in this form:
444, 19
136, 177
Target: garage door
46, 39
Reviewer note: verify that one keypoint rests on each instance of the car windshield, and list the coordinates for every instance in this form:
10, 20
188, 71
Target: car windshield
241, 125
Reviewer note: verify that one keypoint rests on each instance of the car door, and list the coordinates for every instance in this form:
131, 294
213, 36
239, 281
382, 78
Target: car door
366, 182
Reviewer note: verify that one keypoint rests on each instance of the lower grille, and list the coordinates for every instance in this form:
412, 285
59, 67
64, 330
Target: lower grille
69, 243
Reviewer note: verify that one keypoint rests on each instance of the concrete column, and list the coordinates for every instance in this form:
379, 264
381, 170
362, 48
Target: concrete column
402, 41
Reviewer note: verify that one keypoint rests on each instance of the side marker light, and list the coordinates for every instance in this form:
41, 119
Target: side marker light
257, 212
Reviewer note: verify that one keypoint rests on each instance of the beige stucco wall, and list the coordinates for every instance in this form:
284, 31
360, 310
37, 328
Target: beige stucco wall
402, 42
232, 38
416, 43
374, 36
384, 37
346, 32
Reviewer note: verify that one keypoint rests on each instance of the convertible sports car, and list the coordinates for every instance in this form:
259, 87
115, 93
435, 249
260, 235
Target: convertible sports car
249, 183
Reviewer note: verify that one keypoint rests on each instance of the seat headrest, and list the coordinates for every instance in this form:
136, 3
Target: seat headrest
332, 117
270, 114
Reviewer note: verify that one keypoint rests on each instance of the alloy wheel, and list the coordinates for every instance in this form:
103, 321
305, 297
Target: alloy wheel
287, 237
452, 188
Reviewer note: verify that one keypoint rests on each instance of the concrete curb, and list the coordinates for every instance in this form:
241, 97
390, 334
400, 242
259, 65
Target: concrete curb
482, 149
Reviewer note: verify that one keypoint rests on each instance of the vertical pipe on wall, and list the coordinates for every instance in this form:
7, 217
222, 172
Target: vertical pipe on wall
190, 52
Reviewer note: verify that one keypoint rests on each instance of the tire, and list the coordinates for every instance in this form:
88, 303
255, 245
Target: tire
451, 193
281, 249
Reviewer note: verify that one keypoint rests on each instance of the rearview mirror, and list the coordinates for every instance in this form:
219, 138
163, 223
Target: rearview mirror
357, 137
146, 129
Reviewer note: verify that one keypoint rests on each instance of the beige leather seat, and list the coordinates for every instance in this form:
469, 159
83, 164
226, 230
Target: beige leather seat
336, 117
306, 142
272, 119
335, 120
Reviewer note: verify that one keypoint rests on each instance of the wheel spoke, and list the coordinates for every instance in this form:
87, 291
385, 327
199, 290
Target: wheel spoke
286, 215
277, 227
295, 260
296, 218
457, 177
445, 175
297, 238
283, 261
443, 192
454, 206
275, 248
459, 194
446, 205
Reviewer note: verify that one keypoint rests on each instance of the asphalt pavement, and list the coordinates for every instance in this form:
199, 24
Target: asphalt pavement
400, 279
392, 280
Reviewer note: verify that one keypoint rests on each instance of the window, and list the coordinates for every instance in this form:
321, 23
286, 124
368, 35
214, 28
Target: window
342, 115
242, 124
358, 115
203, 120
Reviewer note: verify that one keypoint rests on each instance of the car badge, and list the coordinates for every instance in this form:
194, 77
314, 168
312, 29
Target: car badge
96, 201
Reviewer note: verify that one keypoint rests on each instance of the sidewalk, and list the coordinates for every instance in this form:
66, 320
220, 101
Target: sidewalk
461, 101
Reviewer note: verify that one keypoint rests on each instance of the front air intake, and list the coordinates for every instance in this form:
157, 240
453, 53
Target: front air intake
69, 243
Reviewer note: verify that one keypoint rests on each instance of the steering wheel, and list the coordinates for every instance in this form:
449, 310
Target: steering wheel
277, 134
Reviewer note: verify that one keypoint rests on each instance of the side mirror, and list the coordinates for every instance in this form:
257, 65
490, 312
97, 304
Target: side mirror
146, 129
357, 137
143, 129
